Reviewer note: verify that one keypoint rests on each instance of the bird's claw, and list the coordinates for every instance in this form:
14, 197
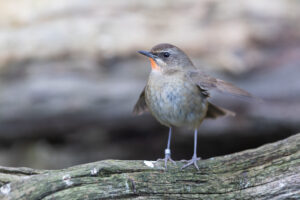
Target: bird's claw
193, 161
166, 159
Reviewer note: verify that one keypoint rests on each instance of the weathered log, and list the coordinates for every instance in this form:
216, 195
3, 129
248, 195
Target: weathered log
268, 172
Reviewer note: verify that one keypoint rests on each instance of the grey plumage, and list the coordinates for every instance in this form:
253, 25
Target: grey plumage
177, 93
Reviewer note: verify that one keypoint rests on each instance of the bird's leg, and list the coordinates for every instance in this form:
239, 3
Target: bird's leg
194, 158
168, 150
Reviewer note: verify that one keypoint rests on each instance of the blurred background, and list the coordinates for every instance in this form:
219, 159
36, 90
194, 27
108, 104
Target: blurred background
70, 76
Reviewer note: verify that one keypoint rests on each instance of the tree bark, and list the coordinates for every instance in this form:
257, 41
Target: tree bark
268, 172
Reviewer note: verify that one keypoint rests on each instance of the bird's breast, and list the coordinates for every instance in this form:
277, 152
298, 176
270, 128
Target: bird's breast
174, 101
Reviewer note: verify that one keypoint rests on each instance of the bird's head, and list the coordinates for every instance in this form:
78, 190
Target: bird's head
166, 56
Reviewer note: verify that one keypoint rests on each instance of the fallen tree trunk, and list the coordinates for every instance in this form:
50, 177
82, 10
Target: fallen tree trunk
269, 172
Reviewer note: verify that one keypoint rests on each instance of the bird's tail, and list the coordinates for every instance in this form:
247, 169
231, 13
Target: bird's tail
214, 111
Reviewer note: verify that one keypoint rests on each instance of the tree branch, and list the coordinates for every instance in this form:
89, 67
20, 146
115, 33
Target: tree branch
268, 172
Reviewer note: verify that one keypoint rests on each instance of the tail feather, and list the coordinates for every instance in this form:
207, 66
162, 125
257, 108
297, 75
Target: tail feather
214, 111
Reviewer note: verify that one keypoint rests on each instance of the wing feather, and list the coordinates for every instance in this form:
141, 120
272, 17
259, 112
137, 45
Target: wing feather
208, 83
140, 106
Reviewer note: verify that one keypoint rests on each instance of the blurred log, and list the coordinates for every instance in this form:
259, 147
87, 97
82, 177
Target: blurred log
67, 66
228, 34
38, 99
69, 71
268, 172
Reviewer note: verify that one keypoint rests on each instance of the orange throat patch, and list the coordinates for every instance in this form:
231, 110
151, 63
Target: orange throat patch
154, 66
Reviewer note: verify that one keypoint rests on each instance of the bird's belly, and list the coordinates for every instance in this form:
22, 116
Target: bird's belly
175, 104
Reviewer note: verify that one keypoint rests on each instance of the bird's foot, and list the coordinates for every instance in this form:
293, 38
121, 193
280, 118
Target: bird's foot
167, 158
191, 162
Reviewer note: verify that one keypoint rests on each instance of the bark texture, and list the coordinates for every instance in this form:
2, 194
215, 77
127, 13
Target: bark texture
268, 172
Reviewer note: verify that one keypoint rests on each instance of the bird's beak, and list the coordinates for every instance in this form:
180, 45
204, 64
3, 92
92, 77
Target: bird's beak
148, 54
153, 59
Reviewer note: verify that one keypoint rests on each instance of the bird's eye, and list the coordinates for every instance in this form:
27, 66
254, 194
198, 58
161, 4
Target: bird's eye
166, 54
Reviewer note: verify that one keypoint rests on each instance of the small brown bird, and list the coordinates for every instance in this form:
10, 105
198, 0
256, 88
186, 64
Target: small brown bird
177, 94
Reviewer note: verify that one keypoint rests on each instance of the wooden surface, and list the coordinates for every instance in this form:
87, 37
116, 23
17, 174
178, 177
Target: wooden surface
268, 172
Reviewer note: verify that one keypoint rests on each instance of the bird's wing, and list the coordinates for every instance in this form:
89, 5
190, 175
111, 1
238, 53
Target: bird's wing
208, 83
140, 105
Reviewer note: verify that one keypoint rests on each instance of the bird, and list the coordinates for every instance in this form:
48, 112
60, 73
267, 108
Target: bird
177, 94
